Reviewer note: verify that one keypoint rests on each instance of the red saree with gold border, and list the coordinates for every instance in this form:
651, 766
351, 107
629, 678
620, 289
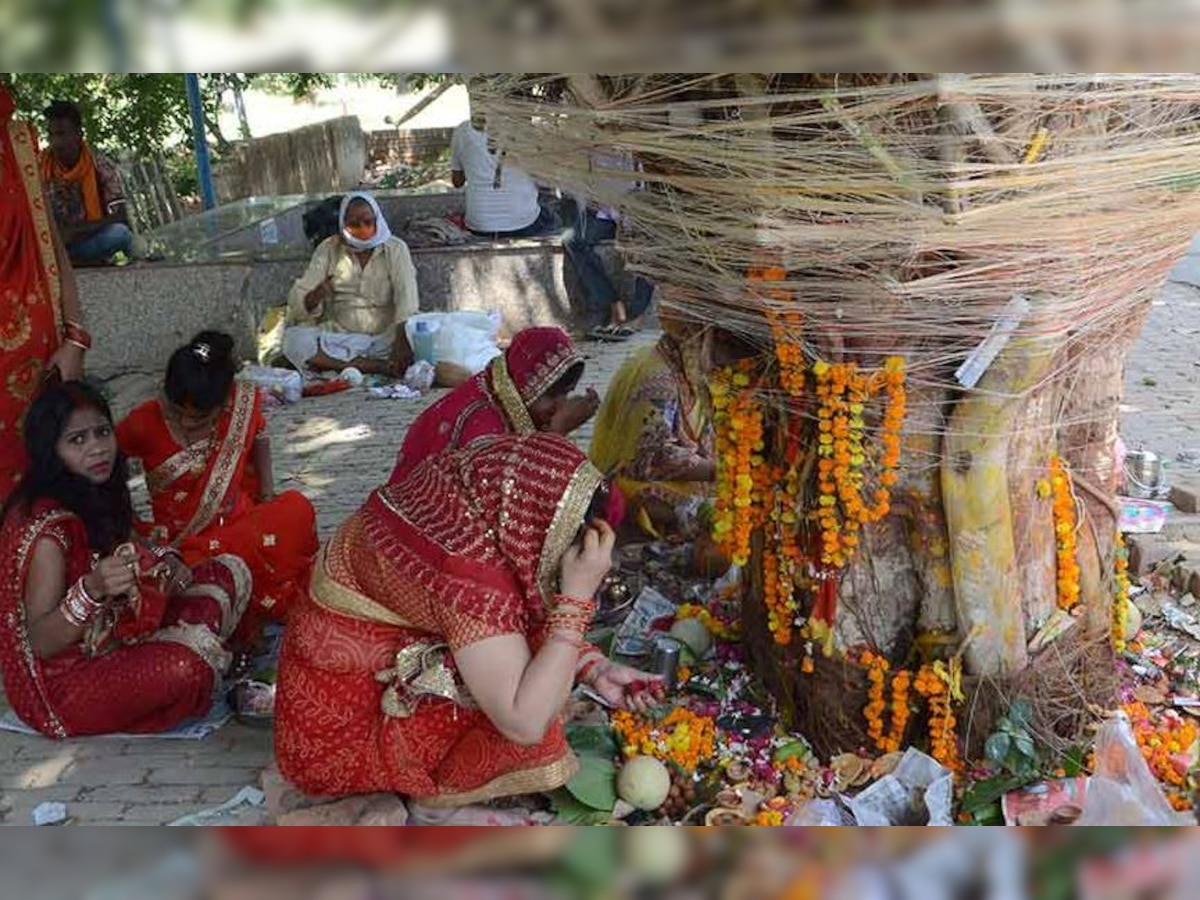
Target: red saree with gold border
30, 302
496, 401
204, 498
465, 548
158, 665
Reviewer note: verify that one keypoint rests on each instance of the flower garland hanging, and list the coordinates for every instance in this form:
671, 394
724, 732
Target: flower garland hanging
877, 668
1121, 588
843, 392
1063, 498
936, 683
738, 418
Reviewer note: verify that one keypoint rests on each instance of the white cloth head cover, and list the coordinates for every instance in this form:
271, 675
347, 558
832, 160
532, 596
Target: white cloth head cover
382, 231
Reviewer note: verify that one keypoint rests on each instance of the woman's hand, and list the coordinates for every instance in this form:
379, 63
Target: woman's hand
111, 577
574, 411
68, 359
179, 576
585, 564
626, 688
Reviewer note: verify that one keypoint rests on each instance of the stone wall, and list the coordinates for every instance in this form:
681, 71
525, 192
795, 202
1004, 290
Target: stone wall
326, 157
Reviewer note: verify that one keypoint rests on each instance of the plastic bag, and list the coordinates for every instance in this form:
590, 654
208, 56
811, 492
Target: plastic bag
1123, 790
819, 812
270, 335
420, 375
285, 383
467, 339
919, 792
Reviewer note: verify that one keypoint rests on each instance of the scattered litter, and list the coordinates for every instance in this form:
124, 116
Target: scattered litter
285, 384
420, 375
1143, 516
394, 392
50, 813
919, 792
1181, 620
248, 797
1123, 790
650, 610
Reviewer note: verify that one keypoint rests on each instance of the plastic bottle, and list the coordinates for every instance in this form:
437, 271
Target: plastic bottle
422, 343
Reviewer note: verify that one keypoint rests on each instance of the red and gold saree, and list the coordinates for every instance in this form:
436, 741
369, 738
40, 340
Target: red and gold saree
205, 500
465, 548
496, 401
156, 663
30, 303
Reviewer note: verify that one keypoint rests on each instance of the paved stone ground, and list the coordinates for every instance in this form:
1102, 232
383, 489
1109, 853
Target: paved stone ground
336, 449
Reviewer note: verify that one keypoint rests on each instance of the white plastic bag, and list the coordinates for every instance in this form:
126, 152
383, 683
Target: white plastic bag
420, 376
1123, 790
919, 792
466, 339
285, 383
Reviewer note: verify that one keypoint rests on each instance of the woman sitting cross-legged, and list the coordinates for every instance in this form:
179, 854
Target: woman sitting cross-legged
98, 633
207, 458
349, 306
445, 630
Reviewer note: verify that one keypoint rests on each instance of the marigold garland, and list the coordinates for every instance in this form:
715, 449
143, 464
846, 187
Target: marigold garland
738, 418
843, 392
681, 738
1121, 589
782, 558
877, 669
943, 743
1065, 533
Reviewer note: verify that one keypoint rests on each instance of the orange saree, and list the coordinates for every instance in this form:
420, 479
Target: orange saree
464, 548
30, 303
205, 501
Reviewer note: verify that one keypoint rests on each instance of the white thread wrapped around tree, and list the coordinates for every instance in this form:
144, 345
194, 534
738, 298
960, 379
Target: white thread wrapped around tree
907, 211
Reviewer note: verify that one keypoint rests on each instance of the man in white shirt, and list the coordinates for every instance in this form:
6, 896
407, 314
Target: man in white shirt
502, 201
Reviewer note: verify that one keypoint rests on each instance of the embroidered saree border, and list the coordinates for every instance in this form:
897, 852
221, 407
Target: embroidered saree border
568, 516
509, 397
25, 154
525, 781
220, 478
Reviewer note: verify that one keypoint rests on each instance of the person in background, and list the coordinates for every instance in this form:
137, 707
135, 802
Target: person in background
349, 307
207, 456
85, 190
525, 389
589, 225
41, 324
445, 630
100, 634
502, 200
654, 429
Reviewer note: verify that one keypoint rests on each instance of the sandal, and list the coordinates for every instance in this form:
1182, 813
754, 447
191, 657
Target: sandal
609, 333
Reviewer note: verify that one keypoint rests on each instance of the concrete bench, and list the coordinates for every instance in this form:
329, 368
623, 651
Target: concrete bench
139, 313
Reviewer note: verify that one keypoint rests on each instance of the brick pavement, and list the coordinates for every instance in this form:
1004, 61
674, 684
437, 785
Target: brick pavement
336, 449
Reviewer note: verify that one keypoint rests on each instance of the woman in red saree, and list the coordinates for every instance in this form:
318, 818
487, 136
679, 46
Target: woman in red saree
207, 459
40, 322
99, 634
444, 631
525, 389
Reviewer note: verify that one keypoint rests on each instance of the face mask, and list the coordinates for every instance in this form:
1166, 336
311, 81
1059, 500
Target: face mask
361, 232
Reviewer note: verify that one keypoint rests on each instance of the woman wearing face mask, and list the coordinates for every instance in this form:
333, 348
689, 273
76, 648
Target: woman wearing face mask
100, 634
349, 307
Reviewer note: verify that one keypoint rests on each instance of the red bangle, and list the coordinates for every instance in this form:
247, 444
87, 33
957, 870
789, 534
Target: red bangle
76, 334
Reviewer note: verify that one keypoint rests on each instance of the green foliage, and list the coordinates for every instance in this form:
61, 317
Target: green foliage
1011, 746
136, 113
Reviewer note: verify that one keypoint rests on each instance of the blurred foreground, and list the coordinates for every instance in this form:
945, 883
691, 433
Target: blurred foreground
552, 863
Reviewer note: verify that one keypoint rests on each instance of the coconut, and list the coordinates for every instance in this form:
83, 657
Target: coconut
1133, 620
644, 783
693, 634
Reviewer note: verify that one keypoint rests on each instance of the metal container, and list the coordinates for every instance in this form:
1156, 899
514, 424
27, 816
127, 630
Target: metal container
1144, 473
666, 662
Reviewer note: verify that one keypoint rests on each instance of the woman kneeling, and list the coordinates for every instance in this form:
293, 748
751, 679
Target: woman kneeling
99, 634
445, 630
